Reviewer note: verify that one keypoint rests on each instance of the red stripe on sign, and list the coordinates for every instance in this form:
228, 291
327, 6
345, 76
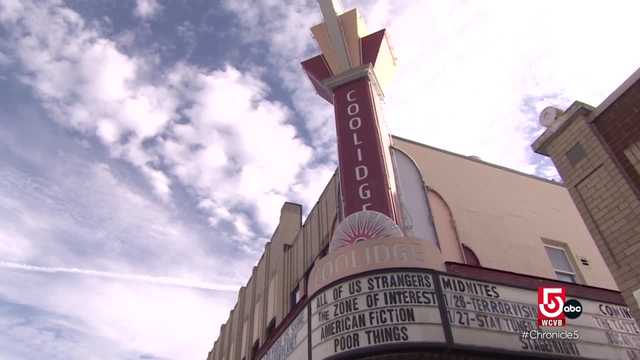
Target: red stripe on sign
371, 46
318, 70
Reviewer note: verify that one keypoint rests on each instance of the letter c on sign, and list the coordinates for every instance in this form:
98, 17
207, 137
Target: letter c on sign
349, 96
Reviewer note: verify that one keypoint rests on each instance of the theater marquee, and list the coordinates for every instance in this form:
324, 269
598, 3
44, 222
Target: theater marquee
488, 315
422, 309
371, 311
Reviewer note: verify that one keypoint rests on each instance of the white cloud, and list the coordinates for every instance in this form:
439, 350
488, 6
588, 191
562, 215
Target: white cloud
465, 68
222, 152
10, 10
14, 245
238, 148
135, 318
285, 28
109, 260
147, 9
87, 83
4, 59
156, 280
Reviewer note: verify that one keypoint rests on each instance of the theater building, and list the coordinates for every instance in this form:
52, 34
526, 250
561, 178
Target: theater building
413, 252
496, 226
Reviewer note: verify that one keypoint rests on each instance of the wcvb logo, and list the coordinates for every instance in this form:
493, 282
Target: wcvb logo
554, 309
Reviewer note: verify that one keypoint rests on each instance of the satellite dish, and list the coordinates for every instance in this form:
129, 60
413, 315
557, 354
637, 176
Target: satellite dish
549, 115
362, 226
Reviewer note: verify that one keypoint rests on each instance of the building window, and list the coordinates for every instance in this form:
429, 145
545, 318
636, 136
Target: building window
561, 264
296, 296
576, 154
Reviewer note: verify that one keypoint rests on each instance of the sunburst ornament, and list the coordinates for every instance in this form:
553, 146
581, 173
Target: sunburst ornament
362, 226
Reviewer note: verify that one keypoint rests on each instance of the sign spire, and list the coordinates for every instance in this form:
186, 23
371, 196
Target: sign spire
330, 11
350, 74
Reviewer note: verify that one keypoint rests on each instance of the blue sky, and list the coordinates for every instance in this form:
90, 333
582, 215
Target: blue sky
146, 146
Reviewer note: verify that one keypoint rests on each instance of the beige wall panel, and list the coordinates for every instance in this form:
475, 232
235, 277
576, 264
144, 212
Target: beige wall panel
275, 252
299, 256
287, 288
220, 342
226, 340
314, 232
238, 325
306, 259
331, 208
325, 217
295, 268
266, 294
445, 230
286, 285
321, 35
279, 298
232, 352
260, 276
290, 222
233, 320
248, 304
245, 340
222, 339
385, 64
273, 299
322, 221
496, 208
290, 270
350, 23
257, 316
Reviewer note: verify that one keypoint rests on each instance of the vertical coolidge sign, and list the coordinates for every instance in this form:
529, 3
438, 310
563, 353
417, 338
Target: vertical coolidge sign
352, 65
363, 182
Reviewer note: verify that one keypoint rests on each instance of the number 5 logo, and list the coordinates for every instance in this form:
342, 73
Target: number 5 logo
551, 306
552, 301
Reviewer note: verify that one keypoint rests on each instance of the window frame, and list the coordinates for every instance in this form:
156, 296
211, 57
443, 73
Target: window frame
566, 253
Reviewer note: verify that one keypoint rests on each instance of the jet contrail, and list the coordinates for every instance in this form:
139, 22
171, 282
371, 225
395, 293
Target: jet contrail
160, 280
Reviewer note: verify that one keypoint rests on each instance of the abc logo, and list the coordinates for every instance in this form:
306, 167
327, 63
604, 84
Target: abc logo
572, 309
